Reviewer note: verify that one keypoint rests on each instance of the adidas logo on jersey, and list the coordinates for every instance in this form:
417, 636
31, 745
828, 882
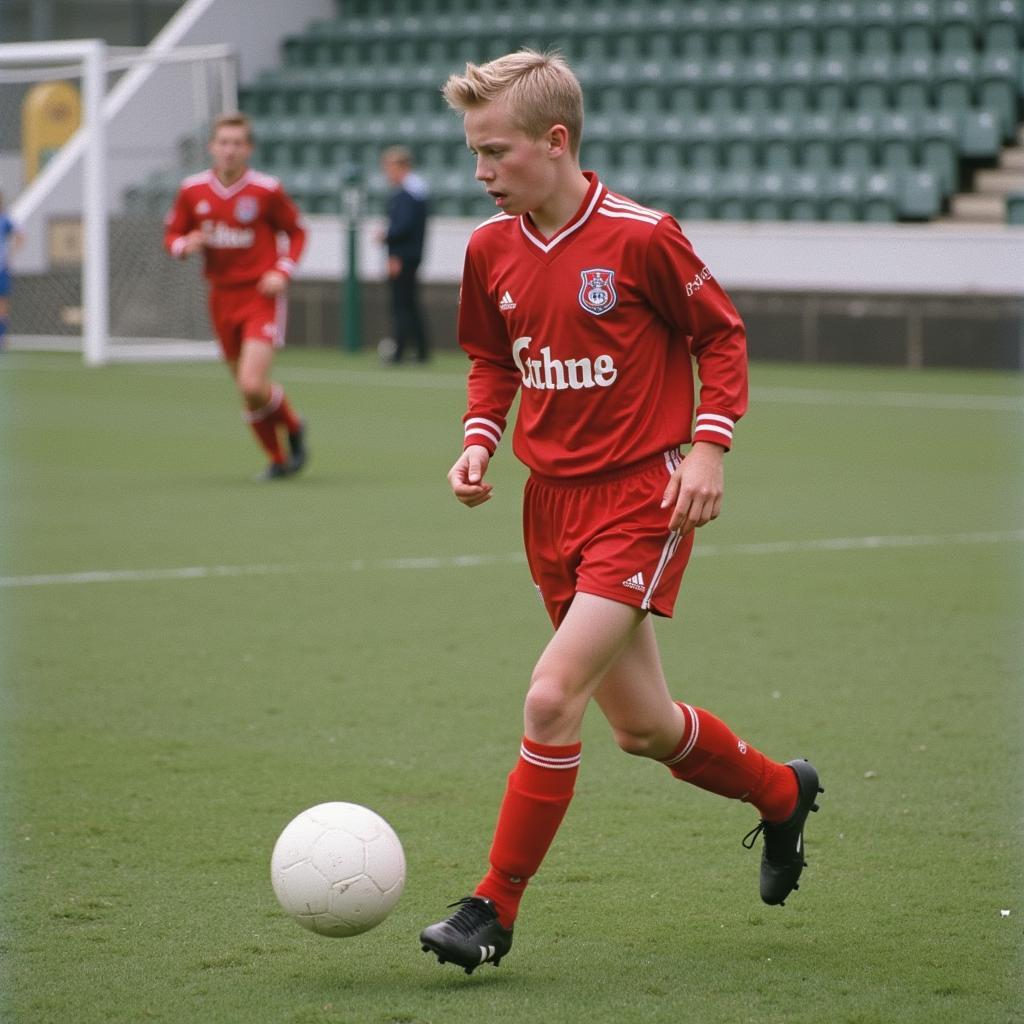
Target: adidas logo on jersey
635, 582
507, 303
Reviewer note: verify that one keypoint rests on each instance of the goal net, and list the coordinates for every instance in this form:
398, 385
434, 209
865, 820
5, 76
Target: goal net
91, 273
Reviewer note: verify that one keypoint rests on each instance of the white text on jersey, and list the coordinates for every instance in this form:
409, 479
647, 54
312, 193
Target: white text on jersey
217, 235
547, 374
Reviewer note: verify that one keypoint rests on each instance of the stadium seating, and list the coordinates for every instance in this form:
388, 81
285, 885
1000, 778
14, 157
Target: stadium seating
803, 109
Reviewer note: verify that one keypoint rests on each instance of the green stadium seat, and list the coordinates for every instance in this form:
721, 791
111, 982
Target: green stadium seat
832, 83
730, 42
797, 79
1003, 26
958, 25
662, 188
920, 195
880, 197
697, 199
804, 196
723, 84
917, 23
955, 76
769, 196
878, 22
816, 143
683, 99
701, 136
913, 80
758, 85
998, 88
840, 24
764, 21
740, 142
980, 136
939, 132
1015, 208
691, 72
780, 142
733, 191
598, 157
799, 29
857, 140
668, 156
897, 134
873, 80
841, 196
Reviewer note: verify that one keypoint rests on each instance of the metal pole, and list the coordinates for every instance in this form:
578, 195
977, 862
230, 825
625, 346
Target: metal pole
95, 284
351, 299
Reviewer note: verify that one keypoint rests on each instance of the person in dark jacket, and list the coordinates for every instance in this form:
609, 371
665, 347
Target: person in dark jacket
407, 224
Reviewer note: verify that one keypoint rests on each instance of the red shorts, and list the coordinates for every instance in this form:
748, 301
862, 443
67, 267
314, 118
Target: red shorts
243, 314
605, 535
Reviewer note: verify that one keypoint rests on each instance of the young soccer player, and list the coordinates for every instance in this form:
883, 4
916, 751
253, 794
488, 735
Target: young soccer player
593, 307
237, 218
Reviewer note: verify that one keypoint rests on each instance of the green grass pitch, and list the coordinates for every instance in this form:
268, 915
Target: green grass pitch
234, 653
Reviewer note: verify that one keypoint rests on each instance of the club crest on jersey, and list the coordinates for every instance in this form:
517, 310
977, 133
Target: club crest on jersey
597, 292
246, 209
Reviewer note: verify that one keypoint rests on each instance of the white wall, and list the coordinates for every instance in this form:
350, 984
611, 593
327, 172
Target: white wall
927, 259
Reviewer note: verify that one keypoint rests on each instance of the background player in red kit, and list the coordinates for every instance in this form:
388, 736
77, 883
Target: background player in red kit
593, 308
236, 216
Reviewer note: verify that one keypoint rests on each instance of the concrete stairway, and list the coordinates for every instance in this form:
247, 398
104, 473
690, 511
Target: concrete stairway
987, 203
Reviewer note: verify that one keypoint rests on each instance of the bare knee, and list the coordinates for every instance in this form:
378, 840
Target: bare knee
254, 391
639, 742
552, 708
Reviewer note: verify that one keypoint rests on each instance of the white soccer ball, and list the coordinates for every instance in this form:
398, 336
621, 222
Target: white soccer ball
338, 869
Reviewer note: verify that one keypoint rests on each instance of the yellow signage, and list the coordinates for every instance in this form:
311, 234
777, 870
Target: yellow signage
50, 114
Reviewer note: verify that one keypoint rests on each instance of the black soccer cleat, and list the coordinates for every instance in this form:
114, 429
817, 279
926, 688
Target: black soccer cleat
274, 471
782, 858
472, 936
297, 446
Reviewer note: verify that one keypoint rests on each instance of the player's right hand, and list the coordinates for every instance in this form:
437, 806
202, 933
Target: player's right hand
194, 241
466, 477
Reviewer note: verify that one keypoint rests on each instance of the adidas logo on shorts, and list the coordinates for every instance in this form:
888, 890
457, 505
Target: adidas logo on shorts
635, 582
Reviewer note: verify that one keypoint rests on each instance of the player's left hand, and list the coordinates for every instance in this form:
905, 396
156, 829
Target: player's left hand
272, 283
694, 491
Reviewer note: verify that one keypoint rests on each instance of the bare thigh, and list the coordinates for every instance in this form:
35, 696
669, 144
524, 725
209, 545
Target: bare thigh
634, 697
252, 372
593, 634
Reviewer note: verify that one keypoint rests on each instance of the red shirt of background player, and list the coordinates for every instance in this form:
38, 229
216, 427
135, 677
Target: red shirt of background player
241, 224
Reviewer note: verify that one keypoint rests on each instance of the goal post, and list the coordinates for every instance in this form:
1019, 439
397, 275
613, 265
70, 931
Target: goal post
91, 274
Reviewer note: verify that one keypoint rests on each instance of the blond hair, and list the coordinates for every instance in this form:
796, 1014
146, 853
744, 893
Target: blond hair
232, 120
540, 89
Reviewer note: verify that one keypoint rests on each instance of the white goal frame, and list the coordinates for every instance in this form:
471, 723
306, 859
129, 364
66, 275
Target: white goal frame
92, 61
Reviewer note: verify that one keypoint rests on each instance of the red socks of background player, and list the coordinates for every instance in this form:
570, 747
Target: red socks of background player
710, 755
539, 791
265, 422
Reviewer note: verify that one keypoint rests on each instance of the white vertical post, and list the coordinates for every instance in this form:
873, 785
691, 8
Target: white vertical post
95, 258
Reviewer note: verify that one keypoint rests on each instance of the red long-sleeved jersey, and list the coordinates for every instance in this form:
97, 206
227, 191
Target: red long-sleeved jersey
241, 223
597, 327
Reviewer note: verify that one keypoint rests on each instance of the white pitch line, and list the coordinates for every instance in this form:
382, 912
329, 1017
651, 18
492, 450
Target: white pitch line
782, 547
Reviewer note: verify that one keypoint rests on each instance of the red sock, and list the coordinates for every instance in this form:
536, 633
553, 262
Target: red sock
710, 755
285, 415
264, 425
538, 794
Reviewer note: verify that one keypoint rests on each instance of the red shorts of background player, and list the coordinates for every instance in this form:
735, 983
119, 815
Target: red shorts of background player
243, 314
605, 535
